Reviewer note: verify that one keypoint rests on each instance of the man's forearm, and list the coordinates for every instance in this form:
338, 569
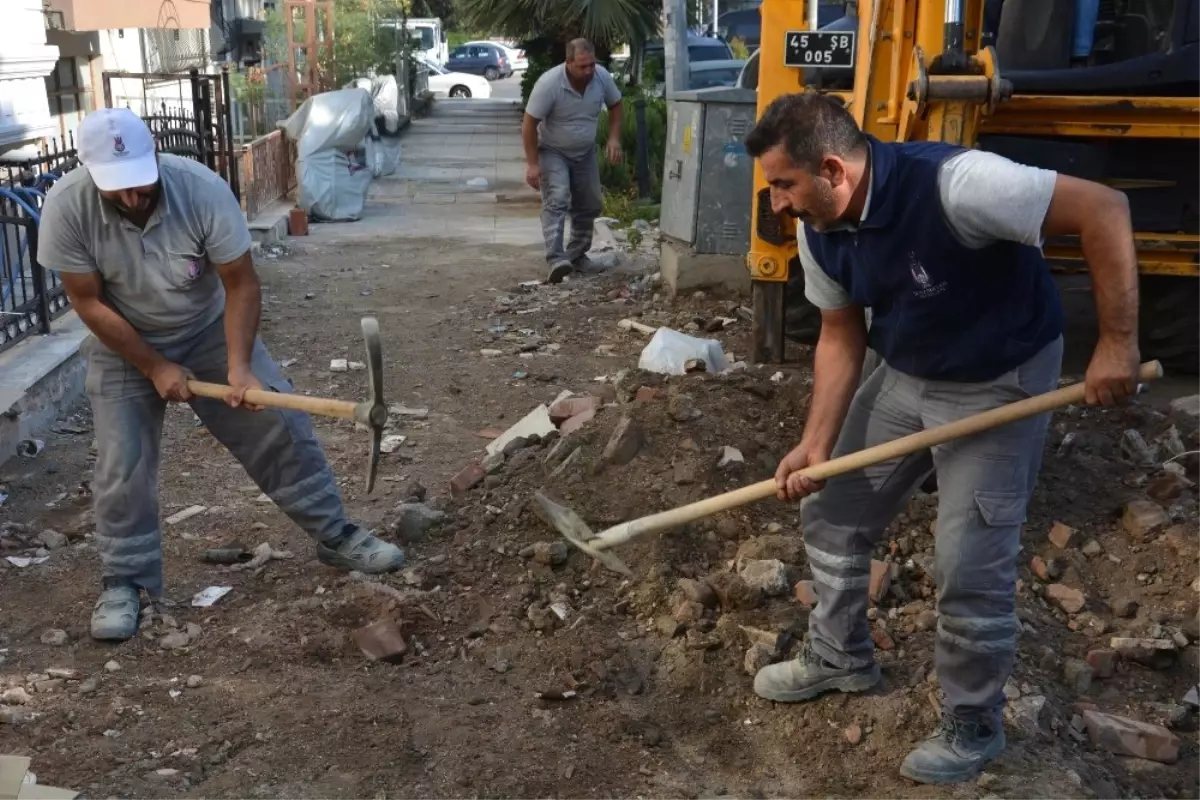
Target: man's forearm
529, 139
837, 369
115, 332
614, 121
1108, 249
243, 304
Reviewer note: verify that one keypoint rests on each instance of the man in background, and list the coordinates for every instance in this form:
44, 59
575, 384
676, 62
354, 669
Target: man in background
559, 134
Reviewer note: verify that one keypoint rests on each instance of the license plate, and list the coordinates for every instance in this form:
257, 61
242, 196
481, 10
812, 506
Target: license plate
829, 49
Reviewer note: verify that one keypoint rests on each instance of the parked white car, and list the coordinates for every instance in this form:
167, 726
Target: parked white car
516, 56
444, 83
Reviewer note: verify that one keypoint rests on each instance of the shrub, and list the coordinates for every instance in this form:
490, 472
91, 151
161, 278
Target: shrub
622, 178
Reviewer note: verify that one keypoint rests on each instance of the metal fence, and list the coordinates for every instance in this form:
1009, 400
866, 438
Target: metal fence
30, 297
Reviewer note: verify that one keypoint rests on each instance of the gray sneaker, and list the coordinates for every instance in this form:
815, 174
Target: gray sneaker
115, 617
559, 270
808, 676
362, 551
956, 752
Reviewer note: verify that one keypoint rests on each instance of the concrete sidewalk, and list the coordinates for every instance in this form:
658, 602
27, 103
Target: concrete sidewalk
461, 175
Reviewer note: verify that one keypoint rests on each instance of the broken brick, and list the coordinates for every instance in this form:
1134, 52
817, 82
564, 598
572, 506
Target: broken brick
1038, 565
881, 580
568, 407
1064, 537
1152, 653
467, 479
805, 594
576, 422
381, 641
647, 394
1131, 737
882, 639
624, 444
1167, 487
1069, 600
698, 592
853, 734
1143, 516
1104, 662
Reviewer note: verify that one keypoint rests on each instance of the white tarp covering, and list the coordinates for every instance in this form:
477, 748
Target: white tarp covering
333, 168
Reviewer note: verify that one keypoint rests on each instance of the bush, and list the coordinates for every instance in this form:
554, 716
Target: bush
622, 178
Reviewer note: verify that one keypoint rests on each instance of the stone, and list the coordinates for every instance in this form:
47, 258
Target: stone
926, 620
1037, 565
697, 592
1064, 537
577, 422
10, 715
805, 593
1104, 662
467, 479
381, 641
16, 696
513, 446
1187, 407
768, 576
52, 539
1026, 712
1137, 450
881, 580
757, 656
89, 685
48, 685
669, 627
647, 394
684, 473
414, 521
1165, 487
1077, 674
1092, 548
732, 592
1069, 600
688, 612
682, 407
562, 410
1152, 653
493, 462
730, 455
882, 637
777, 546
175, 640
54, 637
66, 673
112, 666
551, 554
1131, 737
1143, 516
853, 733
194, 681
624, 443
1124, 607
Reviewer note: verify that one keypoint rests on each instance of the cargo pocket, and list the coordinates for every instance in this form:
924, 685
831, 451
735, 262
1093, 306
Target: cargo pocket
1001, 509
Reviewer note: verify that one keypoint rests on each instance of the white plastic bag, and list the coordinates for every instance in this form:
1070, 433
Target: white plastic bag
669, 351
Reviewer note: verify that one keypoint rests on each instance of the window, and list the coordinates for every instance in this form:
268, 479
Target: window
708, 52
426, 35
726, 76
460, 52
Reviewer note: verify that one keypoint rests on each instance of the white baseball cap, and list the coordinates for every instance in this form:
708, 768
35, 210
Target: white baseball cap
117, 148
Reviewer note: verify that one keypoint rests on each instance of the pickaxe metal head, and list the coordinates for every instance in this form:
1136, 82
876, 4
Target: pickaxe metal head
576, 531
373, 412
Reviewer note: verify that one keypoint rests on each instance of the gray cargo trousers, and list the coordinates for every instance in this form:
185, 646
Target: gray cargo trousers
570, 188
278, 450
984, 485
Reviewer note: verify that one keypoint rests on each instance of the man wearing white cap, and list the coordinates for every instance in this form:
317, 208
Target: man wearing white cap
154, 254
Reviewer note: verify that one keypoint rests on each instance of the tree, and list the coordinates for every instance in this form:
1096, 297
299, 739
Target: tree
606, 23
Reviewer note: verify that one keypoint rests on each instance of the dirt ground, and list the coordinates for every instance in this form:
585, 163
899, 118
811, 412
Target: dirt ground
268, 695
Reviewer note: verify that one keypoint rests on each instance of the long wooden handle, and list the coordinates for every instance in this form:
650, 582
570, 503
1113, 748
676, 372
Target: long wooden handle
922, 440
322, 406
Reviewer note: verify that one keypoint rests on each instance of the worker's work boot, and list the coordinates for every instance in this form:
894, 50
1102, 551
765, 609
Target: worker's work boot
955, 752
586, 266
808, 676
359, 549
115, 616
559, 270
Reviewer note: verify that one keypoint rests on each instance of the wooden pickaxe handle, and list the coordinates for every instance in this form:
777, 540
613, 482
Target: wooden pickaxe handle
922, 440
323, 406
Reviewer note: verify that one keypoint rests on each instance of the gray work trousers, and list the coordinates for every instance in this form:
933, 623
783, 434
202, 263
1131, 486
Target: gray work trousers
570, 188
984, 485
277, 449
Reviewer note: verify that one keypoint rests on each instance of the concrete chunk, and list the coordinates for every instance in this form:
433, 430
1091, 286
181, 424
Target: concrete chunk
1131, 737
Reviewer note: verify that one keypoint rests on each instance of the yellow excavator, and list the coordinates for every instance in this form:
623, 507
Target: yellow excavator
1107, 90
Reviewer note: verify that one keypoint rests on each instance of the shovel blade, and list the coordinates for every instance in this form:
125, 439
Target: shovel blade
576, 531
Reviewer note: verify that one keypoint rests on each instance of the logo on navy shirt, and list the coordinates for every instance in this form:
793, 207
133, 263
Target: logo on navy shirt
926, 288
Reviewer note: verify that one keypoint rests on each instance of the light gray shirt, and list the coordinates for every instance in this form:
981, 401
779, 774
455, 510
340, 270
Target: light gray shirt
568, 118
162, 279
986, 198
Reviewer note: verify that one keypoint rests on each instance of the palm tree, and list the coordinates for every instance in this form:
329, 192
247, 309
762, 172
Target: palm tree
604, 22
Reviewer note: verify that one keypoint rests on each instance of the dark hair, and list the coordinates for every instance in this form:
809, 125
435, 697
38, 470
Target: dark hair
577, 46
810, 126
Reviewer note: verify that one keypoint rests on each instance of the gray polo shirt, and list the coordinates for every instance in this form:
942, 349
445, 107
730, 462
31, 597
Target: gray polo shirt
568, 118
162, 279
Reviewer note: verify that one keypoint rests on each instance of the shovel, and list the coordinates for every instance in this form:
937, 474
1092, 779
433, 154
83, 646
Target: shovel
577, 532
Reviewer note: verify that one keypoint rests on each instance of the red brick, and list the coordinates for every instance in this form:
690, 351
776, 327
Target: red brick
647, 394
467, 479
576, 422
1064, 537
381, 641
805, 594
1104, 662
854, 734
1069, 600
624, 444
569, 407
881, 580
1131, 737
882, 639
1166, 487
1038, 565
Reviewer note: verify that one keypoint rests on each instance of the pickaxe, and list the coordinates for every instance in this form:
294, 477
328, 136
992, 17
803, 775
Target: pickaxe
373, 412
577, 532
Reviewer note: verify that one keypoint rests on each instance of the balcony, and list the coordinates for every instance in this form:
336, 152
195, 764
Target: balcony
99, 15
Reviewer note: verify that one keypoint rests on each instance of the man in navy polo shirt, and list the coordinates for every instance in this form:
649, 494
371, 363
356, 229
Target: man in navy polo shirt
943, 246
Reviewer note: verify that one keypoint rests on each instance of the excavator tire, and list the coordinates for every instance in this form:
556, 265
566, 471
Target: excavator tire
1169, 316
